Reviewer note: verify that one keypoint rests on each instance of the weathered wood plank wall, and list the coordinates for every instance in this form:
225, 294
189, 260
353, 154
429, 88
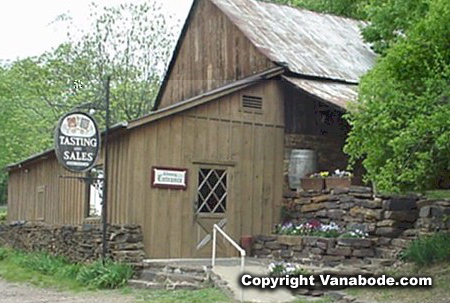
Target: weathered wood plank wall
61, 196
217, 134
213, 52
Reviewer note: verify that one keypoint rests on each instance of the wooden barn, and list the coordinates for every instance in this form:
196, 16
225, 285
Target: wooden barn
248, 82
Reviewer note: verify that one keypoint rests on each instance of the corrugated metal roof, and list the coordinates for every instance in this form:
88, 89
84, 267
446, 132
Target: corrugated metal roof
336, 93
309, 43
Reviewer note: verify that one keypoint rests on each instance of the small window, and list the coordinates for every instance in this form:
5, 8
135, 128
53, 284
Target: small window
252, 104
95, 192
40, 203
212, 190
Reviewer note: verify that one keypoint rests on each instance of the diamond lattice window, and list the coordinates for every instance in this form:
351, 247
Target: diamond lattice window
212, 190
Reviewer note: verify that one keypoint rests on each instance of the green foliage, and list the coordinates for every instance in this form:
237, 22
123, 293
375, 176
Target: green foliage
389, 20
400, 128
130, 42
97, 275
438, 194
346, 8
104, 275
4, 253
3, 213
47, 264
170, 296
429, 249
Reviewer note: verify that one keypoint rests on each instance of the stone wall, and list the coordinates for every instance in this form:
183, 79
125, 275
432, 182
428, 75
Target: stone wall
434, 215
391, 222
77, 243
327, 251
354, 207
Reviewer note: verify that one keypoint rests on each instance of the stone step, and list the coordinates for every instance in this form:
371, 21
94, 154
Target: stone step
158, 266
184, 285
161, 276
140, 284
382, 262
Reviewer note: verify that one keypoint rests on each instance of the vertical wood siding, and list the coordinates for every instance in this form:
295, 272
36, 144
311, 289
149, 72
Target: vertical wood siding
63, 198
216, 132
213, 52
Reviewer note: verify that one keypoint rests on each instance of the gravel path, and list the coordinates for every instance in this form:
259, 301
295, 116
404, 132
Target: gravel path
25, 293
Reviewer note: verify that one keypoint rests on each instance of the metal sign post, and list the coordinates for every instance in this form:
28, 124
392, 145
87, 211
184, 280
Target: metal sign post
77, 145
105, 171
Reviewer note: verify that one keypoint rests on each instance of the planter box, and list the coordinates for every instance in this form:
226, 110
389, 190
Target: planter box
312, 183
332, 182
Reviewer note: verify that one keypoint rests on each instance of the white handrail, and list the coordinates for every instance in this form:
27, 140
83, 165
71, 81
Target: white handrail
240, 249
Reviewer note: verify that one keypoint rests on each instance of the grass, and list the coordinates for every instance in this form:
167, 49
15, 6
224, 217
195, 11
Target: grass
207, 295
429, 249
13, 270
438, 194
168, 296
438, 293
47, 271
44, 270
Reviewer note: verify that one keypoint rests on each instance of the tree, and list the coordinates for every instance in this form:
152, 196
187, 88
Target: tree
131, 43
400, 128
388, 20
346, 8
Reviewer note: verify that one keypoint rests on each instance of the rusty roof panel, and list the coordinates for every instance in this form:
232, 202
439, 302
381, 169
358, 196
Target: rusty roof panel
339, 94
309, 43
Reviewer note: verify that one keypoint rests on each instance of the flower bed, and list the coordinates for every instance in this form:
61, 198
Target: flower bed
313, 249
323, 179
316, 228
282, 268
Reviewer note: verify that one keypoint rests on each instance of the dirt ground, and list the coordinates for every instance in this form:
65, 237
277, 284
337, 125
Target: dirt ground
25, 293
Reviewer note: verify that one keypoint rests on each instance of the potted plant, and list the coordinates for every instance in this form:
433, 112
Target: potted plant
339, 179
314, 181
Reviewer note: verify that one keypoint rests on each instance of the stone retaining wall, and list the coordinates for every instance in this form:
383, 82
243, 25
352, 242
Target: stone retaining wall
77, 243
328, 251
355, 207
378, 215
390, 221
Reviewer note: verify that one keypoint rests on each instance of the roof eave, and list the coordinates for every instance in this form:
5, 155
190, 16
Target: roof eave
207, 96
174, 55
46, 153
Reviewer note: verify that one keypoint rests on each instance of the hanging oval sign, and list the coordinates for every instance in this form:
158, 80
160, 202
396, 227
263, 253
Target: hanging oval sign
77, 141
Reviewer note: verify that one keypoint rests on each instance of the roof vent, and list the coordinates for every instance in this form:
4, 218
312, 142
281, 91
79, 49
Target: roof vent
252, 103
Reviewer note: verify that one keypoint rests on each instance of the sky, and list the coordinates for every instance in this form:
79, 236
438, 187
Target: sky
27, 28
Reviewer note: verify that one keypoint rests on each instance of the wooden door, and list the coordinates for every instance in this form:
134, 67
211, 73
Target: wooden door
212, 195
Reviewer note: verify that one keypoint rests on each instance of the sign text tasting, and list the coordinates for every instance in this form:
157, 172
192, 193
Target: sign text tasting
77, 142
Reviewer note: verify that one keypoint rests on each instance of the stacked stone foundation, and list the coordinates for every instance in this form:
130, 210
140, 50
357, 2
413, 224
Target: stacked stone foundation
82, 243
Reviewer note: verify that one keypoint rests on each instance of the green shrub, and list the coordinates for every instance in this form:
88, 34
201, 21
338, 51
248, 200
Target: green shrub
3, 214
43, 263
429, 249
4, 253
95, 275
104, 275
70, 271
